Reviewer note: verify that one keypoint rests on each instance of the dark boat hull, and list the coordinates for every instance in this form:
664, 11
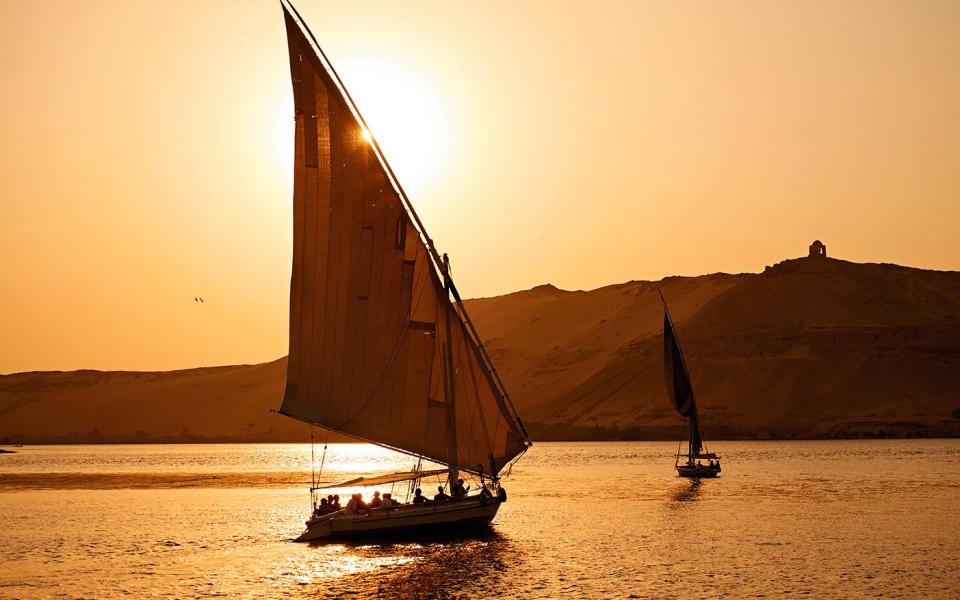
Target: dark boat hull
698, 471
466, 515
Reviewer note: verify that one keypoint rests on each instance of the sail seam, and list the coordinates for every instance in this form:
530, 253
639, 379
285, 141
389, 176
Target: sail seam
394, 354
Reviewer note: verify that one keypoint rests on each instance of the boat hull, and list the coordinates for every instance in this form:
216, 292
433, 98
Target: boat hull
698, 471
449, 517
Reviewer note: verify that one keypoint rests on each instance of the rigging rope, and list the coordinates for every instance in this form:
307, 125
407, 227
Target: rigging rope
313, 474
323, 458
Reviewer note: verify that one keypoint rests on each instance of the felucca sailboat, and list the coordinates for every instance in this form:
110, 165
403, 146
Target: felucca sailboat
680, 393
381, 346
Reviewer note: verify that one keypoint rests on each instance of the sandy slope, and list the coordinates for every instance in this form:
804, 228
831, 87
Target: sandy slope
807, 348
215, 403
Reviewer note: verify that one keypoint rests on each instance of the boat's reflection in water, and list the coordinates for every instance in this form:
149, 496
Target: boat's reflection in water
435, 565
685, 492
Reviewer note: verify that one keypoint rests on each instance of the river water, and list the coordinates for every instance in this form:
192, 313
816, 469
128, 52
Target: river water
824, 519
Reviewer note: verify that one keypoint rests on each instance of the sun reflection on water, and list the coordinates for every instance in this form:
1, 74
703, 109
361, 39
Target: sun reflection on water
427, 567
336, 561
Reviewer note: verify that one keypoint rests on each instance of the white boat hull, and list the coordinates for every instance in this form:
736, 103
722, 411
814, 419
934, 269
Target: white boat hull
408, 518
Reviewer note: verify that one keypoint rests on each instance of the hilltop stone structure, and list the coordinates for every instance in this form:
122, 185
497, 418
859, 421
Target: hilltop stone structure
818, 249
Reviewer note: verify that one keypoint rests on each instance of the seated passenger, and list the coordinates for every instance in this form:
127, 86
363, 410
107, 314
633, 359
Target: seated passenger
356, 505
321, 509
336, 502
376, 501
419, 498
458, 490
440, 497
362, 507
387, 501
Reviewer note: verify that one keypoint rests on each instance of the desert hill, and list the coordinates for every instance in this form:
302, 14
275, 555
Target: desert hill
205, 404
812, 347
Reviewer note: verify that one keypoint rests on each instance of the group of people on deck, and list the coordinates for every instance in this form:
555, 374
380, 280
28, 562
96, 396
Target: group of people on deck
457, 492
357, 506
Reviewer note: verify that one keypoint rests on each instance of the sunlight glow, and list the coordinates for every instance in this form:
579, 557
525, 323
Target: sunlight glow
404, 114
365, 133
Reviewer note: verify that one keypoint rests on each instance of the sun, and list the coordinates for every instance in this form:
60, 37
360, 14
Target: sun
404, 114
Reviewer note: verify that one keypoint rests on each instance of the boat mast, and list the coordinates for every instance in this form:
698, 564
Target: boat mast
451, 384
694, 434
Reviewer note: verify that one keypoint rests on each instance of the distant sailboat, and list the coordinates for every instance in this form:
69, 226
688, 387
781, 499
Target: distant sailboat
381, 346
680, 393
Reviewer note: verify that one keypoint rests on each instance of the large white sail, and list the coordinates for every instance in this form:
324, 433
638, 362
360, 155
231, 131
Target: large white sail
369, 329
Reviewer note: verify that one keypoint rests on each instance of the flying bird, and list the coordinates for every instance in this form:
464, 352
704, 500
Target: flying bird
198, 300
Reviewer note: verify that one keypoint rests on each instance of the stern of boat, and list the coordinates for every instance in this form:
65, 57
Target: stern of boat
317, 529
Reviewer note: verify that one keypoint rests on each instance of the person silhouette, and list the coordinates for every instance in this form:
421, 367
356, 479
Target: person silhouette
418, 497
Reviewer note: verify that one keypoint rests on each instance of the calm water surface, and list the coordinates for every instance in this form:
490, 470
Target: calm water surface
822, 519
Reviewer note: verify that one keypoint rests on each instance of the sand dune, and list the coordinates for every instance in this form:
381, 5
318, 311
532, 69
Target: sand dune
808, 348
206, 404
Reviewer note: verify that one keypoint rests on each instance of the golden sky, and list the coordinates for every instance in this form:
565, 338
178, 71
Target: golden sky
146, 149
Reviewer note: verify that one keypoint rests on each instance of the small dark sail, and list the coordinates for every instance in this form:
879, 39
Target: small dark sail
677, 379
679, 388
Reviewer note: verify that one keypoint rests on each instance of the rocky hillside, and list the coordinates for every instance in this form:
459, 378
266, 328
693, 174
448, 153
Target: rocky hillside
808, 348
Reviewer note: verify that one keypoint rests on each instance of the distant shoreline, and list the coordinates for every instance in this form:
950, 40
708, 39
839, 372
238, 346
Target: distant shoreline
546, 439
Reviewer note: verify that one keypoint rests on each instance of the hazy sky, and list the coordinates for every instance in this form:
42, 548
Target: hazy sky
146, 149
